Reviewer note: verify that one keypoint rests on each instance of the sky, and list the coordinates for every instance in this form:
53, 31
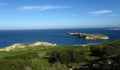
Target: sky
53, 14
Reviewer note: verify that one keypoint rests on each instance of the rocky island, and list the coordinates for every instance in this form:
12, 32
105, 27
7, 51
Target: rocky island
89, 36
115, 29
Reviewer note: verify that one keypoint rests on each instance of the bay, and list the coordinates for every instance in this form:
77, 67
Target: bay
58, 36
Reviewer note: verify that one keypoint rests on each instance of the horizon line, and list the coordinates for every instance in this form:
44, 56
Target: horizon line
60, 28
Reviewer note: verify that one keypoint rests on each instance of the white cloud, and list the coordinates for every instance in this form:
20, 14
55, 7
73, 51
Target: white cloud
101, 12
42, 8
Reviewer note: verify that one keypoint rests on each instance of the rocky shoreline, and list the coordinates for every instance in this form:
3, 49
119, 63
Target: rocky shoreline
22, 46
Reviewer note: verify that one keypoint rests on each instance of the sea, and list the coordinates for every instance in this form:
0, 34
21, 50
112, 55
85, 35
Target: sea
57, 36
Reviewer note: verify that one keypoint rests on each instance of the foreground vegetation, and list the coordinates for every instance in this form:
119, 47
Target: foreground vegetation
105, 56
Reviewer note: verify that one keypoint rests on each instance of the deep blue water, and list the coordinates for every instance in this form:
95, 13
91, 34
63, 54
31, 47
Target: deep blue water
58, 36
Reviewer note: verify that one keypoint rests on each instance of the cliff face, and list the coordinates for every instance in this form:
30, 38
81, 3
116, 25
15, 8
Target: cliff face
22, 46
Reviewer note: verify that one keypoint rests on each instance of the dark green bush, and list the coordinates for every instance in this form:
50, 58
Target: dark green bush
109, 56
15, 64
67, 56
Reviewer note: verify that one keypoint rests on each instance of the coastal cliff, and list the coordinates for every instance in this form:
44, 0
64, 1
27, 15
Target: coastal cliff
21, 46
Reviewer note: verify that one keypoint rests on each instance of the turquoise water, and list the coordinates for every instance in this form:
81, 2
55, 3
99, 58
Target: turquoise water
58, 36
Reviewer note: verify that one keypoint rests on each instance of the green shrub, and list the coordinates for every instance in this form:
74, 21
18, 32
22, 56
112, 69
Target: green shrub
26, 56
67, 56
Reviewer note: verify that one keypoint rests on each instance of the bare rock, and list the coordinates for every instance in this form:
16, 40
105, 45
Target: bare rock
18, 46
14, 46
43, 44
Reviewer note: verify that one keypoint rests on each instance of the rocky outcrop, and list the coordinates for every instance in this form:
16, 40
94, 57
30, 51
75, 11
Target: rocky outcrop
90, 36
14, 46
43, 44
18, 46
115, 29
96, 37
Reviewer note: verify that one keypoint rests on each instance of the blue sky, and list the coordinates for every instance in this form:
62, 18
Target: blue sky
52, 14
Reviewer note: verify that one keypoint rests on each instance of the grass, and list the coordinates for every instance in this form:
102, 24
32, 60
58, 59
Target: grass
38, 58
97, 35
23, 57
